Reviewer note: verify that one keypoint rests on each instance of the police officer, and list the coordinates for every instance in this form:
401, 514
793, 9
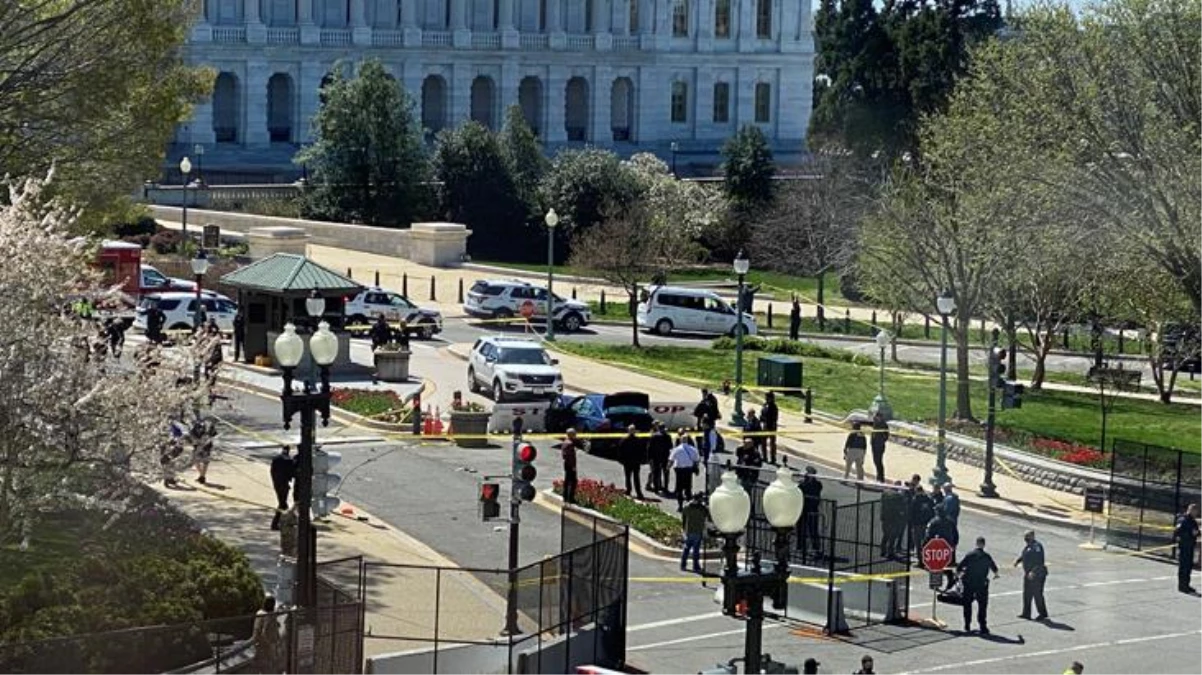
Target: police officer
1035, 573
974, 571
1186, 536
807, 535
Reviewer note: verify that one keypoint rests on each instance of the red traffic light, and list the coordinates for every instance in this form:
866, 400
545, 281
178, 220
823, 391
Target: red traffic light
527, 453
489, 491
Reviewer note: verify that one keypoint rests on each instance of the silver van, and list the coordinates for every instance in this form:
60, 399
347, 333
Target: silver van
668, 309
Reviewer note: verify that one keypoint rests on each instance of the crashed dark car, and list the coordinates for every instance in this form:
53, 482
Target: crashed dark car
600, 413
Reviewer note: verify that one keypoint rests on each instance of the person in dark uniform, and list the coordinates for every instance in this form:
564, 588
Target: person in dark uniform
380, 333
894, 517
770, 419
1186, 536
283, 472
880, 436
811, 489
941, 526
632, 452
658, 449
922, 509
239, 334
753, 426
795, 320
1035, 573
974, 571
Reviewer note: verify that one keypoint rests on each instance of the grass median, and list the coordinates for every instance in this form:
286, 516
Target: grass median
840, 386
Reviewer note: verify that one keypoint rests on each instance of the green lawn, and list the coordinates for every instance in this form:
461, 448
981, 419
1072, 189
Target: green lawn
840, 387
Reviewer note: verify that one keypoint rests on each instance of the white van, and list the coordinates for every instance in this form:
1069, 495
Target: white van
689, 310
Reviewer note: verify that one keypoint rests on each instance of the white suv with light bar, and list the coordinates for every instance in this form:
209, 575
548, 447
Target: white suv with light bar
513, 368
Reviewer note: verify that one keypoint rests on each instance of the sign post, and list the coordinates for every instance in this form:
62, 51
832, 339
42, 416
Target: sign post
1095, 502
936, 556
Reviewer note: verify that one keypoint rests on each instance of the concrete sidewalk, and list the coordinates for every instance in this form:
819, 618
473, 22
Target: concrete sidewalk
822, 442
237, 505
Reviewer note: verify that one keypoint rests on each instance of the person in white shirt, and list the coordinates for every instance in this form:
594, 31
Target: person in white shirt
685, 461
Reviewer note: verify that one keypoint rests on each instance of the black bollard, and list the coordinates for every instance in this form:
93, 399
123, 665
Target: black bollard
432, 298
847, 321
405, 284
874, 318
770, 315
377, 283
1120, 341
809, 406
603, 301
926, 329
349, 275
461, 290
573, 292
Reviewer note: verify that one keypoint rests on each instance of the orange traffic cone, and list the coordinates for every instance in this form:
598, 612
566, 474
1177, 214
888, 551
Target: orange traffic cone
437, 421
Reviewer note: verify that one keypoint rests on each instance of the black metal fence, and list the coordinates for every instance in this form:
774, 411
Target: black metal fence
1149, 486
337, 621
842, 542
571, 608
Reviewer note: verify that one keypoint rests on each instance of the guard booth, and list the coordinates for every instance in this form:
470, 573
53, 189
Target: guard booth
272, 292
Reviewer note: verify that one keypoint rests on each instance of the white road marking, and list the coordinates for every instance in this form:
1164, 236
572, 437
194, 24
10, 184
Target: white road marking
694, 638
965, 665
673, 622
1114, 582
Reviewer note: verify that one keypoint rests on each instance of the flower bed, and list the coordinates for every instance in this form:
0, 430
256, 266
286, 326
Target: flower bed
371, 403
613, 502
1070, 452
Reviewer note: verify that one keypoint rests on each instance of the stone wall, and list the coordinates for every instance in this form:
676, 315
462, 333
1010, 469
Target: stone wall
433, 244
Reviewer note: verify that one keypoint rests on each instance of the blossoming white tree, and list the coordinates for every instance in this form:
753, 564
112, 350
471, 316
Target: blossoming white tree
75, 427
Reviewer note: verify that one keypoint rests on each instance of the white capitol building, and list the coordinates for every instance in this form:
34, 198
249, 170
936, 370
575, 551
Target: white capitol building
627, 74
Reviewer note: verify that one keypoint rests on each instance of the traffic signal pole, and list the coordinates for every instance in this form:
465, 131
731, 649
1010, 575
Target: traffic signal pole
515, 500
988, 489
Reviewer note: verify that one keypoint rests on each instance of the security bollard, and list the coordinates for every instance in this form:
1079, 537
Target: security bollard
1066, 338
809, 406
874, 318
847, 321
405, 284
602, 301
573, 292
432, 298
377, 283
349, 275
461, 290
770, 315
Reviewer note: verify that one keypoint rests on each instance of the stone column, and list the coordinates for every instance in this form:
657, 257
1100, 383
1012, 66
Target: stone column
703, 100
601, 106
510, 39
619, 16
360, 31
255, 97
663, 24
705, 25
556, 105
311, 73
603, 39
461, 35
460, 98
202, 30
411, 33
557, 39
744, 93
646, 16
256, 31
507, 93
746, 26
310, 33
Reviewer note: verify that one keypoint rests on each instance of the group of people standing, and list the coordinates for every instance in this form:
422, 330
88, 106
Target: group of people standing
907, 509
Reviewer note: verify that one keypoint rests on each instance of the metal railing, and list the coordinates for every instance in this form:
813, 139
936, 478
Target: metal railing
534, 41
436, 38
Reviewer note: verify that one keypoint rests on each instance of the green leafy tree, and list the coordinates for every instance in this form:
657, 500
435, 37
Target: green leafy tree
367, 159
478, 190
748, 169
524, 158
582, 186
95, 89
879, 71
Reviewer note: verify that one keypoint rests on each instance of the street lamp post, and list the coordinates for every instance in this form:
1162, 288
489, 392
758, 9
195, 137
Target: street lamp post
185, 168
200, 265
551, 219
742, 264
289, 350
880, 404
674, 148
199, 151
730, 509
988, 489
946, 304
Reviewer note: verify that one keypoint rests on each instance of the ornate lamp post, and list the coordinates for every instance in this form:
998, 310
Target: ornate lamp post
946, 304
289, 350
742, 265
185, 168
730, 508
551, 219
880, 403
674, 148
200, 265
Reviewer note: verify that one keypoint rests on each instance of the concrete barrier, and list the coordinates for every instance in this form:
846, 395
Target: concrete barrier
432, 244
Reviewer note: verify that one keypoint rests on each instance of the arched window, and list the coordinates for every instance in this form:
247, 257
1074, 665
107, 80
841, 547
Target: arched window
763, 19
680, 102
763, 102
680, 18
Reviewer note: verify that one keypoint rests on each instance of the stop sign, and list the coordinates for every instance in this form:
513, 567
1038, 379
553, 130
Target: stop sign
936, 555
528, 309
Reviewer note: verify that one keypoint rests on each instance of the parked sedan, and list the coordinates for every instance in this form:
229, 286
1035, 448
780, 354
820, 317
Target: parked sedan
601, 413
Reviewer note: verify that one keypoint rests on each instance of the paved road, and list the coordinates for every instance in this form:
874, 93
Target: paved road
1113, 612
460, 330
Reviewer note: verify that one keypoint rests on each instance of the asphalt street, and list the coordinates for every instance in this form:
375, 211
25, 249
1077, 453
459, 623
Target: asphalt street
460, 330
1114, 612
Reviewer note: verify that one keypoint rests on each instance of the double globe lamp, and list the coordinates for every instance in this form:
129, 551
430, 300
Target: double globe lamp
730, 511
